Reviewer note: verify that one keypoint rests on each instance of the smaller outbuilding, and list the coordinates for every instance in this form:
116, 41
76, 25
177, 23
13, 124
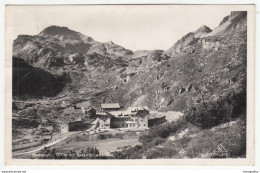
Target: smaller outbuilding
110, 107
78, 124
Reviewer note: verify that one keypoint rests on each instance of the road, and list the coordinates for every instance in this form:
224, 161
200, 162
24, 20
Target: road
57, 140
42, 147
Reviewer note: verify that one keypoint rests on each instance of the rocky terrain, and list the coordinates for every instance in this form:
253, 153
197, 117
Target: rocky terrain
65, 68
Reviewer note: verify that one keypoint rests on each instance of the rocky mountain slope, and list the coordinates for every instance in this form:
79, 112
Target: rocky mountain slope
235, 22
59, 46
184, 44
203, 65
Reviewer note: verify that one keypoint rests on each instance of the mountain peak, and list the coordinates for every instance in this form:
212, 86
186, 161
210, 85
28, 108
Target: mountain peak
203, 29
110, 42
238, 14
234, 22
63, 31
56, 30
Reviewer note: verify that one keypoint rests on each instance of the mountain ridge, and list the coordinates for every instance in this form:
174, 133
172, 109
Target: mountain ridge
236, 21
155, 78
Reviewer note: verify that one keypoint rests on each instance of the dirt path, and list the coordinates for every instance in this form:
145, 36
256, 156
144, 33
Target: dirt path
57, 138
42, 147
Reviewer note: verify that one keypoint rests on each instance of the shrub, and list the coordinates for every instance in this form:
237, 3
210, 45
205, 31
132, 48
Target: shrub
210, 114
161, 153
131, 153
158, 140
157, 134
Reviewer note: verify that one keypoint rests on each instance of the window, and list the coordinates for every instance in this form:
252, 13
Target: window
135, 120
144, 124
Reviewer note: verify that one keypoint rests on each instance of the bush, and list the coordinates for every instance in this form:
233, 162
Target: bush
131, 153
161, 153
158, 140
158, 134
210, 114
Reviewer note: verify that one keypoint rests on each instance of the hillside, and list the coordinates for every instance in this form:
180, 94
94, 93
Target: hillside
213, 67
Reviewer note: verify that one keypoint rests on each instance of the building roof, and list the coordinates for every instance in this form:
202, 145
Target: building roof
137, 108
101, 113
110, 105
117, 113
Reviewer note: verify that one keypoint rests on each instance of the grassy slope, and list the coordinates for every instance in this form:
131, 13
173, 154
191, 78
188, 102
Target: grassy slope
193, 142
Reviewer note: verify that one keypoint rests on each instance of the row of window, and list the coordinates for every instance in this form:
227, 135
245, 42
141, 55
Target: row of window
130, 120
130, 125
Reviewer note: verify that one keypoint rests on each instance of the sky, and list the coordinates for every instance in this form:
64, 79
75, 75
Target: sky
142, 27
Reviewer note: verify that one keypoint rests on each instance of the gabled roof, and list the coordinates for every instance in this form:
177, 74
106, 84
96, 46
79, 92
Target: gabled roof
110, 105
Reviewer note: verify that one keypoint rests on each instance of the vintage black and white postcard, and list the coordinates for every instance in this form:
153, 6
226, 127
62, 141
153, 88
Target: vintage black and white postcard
129, 85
